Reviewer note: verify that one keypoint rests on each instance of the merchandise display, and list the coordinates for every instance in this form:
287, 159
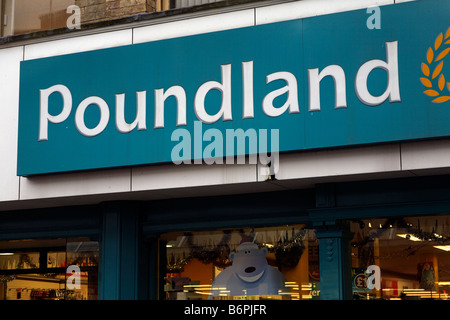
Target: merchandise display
242, 264
48, 274
410, 255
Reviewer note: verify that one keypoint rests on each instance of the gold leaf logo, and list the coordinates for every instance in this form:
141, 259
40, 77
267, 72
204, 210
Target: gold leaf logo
433, 79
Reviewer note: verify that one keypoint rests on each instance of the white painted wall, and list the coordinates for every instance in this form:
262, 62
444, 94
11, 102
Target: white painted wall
311, 8
417, 156
9, 109
189, 27
78, 44
301, 169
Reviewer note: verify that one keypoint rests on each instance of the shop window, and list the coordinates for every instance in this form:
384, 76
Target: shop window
26, 16
49, 269
189, 3
401, 258
262, 263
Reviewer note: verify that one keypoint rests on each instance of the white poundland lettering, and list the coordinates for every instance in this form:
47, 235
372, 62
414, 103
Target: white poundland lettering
338, 75
391, 67
104, 116
140, 121
45, 117
224, 86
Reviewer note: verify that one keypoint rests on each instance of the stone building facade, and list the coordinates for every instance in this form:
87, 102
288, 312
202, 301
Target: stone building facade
102, 10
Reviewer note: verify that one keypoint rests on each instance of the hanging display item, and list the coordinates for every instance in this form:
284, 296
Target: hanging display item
410, 230
289, 251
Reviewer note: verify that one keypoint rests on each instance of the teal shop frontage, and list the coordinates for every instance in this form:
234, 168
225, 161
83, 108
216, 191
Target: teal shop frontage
323, 240
318, 86
129, 174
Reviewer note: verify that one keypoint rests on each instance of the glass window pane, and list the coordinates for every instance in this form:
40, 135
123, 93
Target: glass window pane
49, 269
407, 258
24, 16
27, 16
82, 252
258, 263
56, 259
36, 287
21, 260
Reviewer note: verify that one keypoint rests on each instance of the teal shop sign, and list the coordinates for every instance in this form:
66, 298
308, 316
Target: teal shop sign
317, 82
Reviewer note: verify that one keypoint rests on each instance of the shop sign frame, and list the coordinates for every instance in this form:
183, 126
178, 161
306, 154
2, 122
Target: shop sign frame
325, 81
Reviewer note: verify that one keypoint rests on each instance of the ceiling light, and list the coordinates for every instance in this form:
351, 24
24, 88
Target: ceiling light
445, 248
409, 237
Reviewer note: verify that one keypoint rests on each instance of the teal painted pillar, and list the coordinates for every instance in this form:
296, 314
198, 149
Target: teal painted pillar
121, 260
155, 272
335, 261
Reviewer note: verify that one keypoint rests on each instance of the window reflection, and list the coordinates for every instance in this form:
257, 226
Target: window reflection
27, 16
42, 269
411, 253
261, 263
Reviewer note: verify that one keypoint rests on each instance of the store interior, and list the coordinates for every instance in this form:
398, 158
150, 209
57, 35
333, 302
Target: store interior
413, 254
49, 269
403, 258
194, 260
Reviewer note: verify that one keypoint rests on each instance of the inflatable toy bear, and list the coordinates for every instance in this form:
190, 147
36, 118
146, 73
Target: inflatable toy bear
249, 274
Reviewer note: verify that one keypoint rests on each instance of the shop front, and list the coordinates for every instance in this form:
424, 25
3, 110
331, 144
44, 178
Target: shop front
291, 160
53, 256
24, 278
337, 241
